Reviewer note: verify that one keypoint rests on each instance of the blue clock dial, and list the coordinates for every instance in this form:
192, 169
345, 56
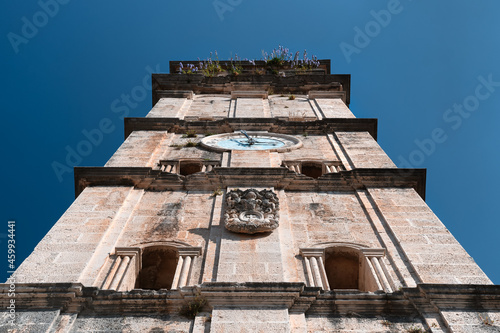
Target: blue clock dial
244, 144
243, 140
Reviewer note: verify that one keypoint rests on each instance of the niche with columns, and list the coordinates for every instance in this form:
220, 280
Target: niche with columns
187, 167
346, 266
313, 169
158, 266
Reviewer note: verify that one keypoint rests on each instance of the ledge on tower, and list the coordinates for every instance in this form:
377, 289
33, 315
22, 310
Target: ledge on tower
256, 75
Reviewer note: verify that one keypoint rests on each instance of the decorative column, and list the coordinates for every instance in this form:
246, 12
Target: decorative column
185, 264
124, 269
169, 166
315, 267
373, 273
208, 166
374, 259
294, 166
375, 269
333, 167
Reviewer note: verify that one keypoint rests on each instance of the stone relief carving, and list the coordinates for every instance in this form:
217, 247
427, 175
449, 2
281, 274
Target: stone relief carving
251, 211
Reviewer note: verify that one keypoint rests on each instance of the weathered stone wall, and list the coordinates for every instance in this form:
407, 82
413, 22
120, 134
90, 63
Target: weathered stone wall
30, 321
251, 159
353, 323
64, 253
169, 215
472, 320
315, 147
298, 107
312, 218
209, 106
168, 107
52, 321
178, 218
250, 258
333, 108
121, 323
273, 320
318, 217
177, 149
147, 148
141, 149
250, 108
363, 151
103, 218
434, 253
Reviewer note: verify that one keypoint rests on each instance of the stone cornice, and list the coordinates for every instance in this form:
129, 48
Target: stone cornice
295, 84
221, 177
290, 81
74, 298
274, 125
456, 295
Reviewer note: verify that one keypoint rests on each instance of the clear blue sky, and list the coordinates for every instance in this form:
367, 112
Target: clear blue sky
66, 66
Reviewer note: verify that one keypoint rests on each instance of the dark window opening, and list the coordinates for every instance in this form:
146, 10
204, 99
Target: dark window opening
313, 170
342, 268
158, 268
188, 168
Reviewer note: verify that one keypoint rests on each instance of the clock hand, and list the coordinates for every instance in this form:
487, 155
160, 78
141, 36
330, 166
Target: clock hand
239, 142
266, 143
250, 140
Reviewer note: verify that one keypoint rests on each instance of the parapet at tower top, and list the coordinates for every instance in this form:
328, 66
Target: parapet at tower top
280, 62
278, 72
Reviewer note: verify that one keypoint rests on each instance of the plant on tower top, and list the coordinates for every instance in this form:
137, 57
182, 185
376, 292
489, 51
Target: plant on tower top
189, 69
210, 67
235, 67
278, 58
282, 56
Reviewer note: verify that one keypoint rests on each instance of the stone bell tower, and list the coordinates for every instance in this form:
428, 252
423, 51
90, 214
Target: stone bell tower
250, 200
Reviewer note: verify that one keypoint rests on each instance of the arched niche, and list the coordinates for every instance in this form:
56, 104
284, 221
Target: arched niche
342, 265
158, 268
312, 169
346, 266
188, 167
156, 265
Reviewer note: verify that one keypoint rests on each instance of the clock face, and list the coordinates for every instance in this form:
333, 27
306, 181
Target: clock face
255, 143
251, 141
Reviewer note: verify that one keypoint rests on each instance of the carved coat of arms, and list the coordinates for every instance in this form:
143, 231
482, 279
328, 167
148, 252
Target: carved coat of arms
251, 211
